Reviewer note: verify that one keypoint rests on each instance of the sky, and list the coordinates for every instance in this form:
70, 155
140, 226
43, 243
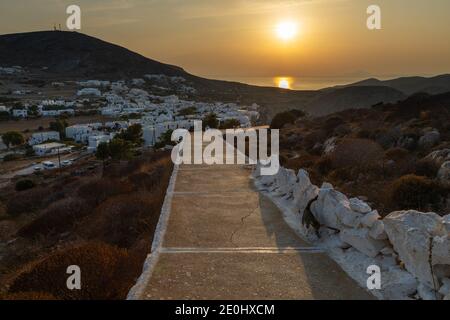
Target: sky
237, 38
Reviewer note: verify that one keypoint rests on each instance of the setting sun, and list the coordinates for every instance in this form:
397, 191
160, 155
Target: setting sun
283, 83
287, 30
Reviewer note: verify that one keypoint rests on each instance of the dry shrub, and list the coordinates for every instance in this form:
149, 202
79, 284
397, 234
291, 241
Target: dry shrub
23, 296
427, 168
107, 273
361, 153
397, 154
313, 138
303, 161
59, 217
123, 219
324, 165
98, 190
27, 201
417, 193
148, 181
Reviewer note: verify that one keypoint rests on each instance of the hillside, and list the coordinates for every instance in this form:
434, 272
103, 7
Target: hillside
77, 55
60, 55
358, 97
411, 85
397, 148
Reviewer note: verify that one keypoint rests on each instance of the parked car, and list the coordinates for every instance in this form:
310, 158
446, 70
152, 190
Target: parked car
37, 169
66, 163
48, 165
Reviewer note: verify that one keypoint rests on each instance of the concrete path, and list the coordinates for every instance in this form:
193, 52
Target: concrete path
226, 241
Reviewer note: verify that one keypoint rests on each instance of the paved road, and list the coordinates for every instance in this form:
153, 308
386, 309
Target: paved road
226, 241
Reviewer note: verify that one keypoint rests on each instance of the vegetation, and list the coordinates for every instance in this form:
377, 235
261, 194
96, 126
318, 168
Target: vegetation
60, 126
210, 121
165, 140
415, 192
13, 138
25, 184
376, 153
104, 224
284, 118
230, 124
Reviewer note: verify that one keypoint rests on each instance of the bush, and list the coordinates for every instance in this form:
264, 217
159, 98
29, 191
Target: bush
59, 217
107, 273
427, 168
98, 190
414, 192
324, 165
123, 219
361, 153
282, 119
23, 185
27, 201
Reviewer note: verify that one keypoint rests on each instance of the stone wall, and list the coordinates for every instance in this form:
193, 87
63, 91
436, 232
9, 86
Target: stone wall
417, 243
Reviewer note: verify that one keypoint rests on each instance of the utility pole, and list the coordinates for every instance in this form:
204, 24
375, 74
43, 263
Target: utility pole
59, 162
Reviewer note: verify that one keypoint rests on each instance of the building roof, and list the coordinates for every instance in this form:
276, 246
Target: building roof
50, 145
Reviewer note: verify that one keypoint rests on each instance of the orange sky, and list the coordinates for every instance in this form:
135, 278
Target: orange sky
236, 38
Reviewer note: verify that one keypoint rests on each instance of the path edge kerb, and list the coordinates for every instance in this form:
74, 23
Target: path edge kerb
138, 289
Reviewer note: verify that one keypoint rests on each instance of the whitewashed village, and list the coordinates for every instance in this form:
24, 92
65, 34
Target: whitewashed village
125, 103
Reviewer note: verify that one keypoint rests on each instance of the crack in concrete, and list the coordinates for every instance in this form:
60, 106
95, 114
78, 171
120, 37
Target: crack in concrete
242, 225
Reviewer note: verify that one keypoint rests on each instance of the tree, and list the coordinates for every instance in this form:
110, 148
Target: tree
103, 152
13, 138
165, 140
230, 124
133, 134
283, 118
210, 120
120, 149
60, 126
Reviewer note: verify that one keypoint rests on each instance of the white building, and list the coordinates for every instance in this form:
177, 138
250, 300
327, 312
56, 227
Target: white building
53, 148
40, 137
79, 132
94, 141
54, 113
89, 92
20, 113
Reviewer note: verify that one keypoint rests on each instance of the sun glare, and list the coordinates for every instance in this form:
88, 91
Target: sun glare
287, 30
283, 83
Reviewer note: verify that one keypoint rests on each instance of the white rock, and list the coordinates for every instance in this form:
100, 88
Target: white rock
427, 293
377, 231
360, 240
447, 297
369, 219
303, 191
446, 222
332, 209
397, 284
359, 206
445, 288
329, 145
410, 233
444, 173
387, 251
441, 256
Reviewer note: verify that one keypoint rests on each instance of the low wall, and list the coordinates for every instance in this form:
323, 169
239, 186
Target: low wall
412, 248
